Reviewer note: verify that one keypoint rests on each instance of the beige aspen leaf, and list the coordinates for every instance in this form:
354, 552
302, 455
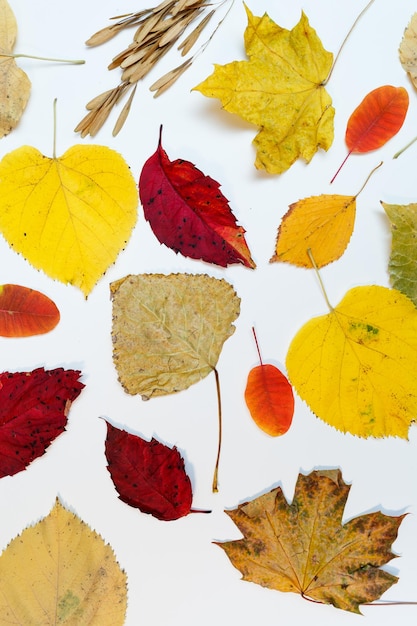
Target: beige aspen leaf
408, 49
355, 367
323, 224
59, 571
168, 330
402, 264
280, 89
14, 84
71, 215
304, 547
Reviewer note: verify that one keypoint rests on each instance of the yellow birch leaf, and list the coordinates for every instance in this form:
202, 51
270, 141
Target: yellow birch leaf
356, 366
168, 331
323, 224
280, 89
59, 571
14, 83
69, 216
304, 547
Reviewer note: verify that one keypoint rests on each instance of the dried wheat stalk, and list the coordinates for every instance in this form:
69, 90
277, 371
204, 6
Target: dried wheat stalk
157, 30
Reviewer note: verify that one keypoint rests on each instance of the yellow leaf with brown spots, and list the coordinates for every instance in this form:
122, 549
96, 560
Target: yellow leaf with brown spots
304, 547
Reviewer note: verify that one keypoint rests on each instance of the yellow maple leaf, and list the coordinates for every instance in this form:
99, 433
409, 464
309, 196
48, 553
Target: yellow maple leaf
69, 216
355, 367
279, 89
323, 224
15, 85
59, 571
304, 548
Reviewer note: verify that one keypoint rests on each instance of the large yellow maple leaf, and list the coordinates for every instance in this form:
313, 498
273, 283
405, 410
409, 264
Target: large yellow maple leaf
281, 89
356, 366
71, 215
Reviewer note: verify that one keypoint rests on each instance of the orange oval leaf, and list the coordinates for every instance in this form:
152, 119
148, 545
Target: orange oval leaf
270, 399
377, 119
25, 312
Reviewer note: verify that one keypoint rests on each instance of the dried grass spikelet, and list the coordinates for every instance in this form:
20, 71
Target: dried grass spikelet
157, 30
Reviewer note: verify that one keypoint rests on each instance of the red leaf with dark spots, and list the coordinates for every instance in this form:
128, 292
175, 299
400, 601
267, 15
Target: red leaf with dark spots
25, 312
375, 120
148, 475
33, 411
188, 212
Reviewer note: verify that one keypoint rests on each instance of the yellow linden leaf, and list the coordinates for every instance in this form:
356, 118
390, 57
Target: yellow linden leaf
279, 89
356, 366
61, 572
323, 224
14, 83
69, 216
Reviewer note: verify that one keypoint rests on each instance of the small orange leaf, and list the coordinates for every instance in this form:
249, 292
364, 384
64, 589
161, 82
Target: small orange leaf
270, 399
25, 312
377, 119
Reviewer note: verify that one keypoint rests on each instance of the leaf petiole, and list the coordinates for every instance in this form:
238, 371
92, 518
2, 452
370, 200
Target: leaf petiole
31, 56
313, 263
215, 485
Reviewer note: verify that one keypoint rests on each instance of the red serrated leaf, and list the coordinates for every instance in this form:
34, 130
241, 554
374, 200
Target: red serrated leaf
33, 411
377, 119
270, 399
148, 475
188, 212
25, 312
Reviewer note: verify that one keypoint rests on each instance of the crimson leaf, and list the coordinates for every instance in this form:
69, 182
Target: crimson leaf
33, 411
148, 475
188, 212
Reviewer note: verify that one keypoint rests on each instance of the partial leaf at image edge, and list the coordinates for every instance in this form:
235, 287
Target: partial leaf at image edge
61, 571
304, 547
284, 75
25, 312
355, 367
34, 408
69, 216
15, 85
402, 264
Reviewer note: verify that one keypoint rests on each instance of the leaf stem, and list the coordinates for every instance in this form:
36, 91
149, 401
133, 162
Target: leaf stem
31, 56
410, 143
340, 166
215, 487
257, 345
54, 134
367, 179
345, 40
313, 263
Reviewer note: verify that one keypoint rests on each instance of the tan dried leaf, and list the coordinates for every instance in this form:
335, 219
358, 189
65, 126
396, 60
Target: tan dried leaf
14, 83
408, 49
168, 330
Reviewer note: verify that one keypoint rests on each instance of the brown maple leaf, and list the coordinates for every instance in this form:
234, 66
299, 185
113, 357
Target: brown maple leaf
303, 547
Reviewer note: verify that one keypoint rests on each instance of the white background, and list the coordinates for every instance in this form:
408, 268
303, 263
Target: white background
176, 576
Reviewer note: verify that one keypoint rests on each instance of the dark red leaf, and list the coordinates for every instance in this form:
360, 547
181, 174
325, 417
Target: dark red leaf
25, 312
188, 212
148, 475
33, 411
